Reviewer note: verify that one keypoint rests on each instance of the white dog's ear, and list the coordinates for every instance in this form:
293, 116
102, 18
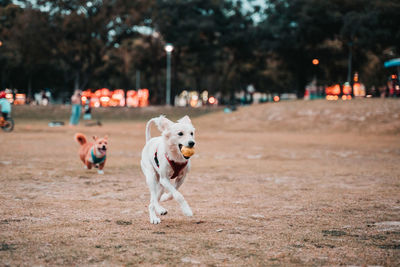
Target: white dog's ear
185, 119
164, 123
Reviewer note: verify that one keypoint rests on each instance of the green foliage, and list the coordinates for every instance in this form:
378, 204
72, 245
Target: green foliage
297, 31
67, 44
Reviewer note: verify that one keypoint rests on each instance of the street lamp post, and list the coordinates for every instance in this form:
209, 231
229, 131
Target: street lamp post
349, 63
315, 62
137, 79
168, 48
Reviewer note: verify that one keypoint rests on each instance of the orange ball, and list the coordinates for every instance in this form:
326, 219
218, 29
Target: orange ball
187, 151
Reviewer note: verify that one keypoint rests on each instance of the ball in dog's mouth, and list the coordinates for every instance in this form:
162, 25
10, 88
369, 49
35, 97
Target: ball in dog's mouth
187, 152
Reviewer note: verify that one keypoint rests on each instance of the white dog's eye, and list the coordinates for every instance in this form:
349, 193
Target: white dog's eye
191, 133
180, 133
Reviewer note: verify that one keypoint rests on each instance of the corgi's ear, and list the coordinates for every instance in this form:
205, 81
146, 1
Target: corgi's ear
164, 123
185, 119
94, 137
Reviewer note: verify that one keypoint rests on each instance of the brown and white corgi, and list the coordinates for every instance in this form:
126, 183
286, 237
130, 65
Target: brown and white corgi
93, 154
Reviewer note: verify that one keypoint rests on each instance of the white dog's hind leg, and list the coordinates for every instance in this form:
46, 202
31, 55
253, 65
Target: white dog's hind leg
152, 183
177, 196
168, 196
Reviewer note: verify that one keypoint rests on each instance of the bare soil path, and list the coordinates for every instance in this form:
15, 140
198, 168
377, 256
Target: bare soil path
301, 183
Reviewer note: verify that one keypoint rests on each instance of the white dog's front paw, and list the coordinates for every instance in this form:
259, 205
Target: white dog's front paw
161, 210
154, 220
100, 171
165, 197
187, 211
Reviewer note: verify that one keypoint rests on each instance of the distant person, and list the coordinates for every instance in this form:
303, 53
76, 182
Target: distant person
29, 101
76, 108
250, 90
5, 107
45, 99
87, 110
390, 88
87, 115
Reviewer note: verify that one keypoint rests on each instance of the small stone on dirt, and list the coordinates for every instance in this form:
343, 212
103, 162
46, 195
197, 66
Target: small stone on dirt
189, 260
159, 233
257, 216
5, 247
120, 222
333, 232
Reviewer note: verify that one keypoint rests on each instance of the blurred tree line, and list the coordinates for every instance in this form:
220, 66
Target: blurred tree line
219, 45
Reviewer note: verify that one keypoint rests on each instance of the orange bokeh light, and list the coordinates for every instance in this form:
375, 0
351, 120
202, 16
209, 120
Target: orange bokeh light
212, 100
107, 98
333, 90
346, 89
332, 97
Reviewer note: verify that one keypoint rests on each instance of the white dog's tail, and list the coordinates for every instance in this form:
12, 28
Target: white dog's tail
161, 122
148, 125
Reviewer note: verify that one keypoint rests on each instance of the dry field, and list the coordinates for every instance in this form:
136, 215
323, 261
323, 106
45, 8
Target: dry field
290, 183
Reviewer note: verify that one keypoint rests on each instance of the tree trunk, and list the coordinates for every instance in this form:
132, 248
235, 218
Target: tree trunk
84, 81
225, 76
76, 80
30, 86
198, 82
301, 82
3, 83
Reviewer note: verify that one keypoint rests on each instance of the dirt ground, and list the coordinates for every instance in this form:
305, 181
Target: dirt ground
291, 183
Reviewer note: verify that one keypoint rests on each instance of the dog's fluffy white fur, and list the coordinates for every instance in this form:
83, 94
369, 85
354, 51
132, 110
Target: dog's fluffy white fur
174, 136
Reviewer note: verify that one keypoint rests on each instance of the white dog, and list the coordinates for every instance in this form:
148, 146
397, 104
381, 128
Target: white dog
164, 165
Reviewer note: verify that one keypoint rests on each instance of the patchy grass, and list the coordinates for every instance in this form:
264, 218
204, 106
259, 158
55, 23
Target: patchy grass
63, 112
